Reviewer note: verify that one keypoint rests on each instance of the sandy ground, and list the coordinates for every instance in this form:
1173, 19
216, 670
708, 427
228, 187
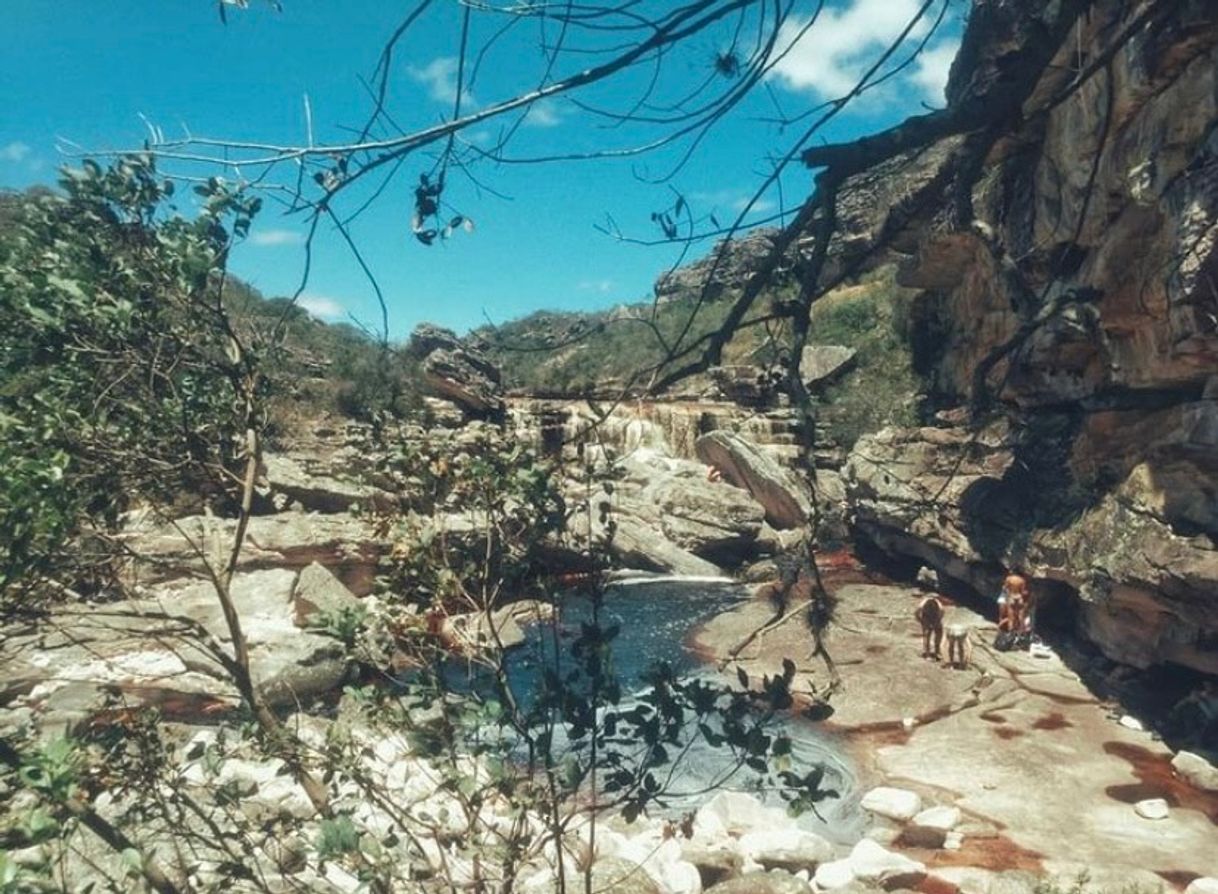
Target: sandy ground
1043, 770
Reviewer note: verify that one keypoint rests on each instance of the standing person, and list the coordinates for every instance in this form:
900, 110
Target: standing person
1011, 602
1012, 611
929, 614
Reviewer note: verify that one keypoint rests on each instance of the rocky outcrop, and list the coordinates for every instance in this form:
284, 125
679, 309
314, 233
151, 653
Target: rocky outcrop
975, 503
728, 266
458, 372
668, 517
1079, 304
165, 652
668, 425
342, 543
310, 484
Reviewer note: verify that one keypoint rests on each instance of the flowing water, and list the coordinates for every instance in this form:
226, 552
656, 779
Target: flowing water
656, 616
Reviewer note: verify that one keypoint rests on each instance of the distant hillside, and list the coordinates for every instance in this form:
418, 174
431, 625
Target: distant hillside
326, 368
559, 352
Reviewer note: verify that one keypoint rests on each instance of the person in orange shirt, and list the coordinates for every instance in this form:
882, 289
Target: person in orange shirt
929, 614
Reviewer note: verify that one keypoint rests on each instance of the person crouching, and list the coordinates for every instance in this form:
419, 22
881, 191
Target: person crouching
929, 614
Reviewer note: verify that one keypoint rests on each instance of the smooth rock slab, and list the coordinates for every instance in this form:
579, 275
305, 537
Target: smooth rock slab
833, 875
1202, 886
895, 803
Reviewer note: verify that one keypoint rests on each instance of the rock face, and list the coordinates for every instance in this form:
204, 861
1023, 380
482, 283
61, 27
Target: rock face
1082, 304
728, 266
458, 372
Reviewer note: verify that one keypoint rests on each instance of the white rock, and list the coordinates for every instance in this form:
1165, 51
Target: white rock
1152, 809
836, 874
943, 818
786, 848
341, 879
803, 875
749, 866
678, 877
1202, 886
872, 863
1196, 770
740, 813
1131, 723
709, 826
895, 803
953, 841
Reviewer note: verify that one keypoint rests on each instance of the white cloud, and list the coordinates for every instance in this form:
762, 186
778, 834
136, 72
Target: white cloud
15, 151
543, 114
734, 200
604, 286
322, 307
440, 78
932, 67
843, 43
276, 237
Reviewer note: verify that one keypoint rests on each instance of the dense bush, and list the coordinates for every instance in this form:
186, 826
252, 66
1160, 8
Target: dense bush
114, 360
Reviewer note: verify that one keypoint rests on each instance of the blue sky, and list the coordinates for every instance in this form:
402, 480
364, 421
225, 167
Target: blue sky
93, 73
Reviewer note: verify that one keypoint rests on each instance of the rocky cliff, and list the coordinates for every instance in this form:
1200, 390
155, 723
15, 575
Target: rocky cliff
1073, 321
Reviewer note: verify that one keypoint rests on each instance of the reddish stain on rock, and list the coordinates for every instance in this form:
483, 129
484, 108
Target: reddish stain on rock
932, 884
1053, 721
996, 853
1176, 878
1007, 732
1157, 779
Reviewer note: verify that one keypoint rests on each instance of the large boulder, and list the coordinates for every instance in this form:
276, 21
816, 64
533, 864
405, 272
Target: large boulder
786, 499
316, 593
458, 372
821, 364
